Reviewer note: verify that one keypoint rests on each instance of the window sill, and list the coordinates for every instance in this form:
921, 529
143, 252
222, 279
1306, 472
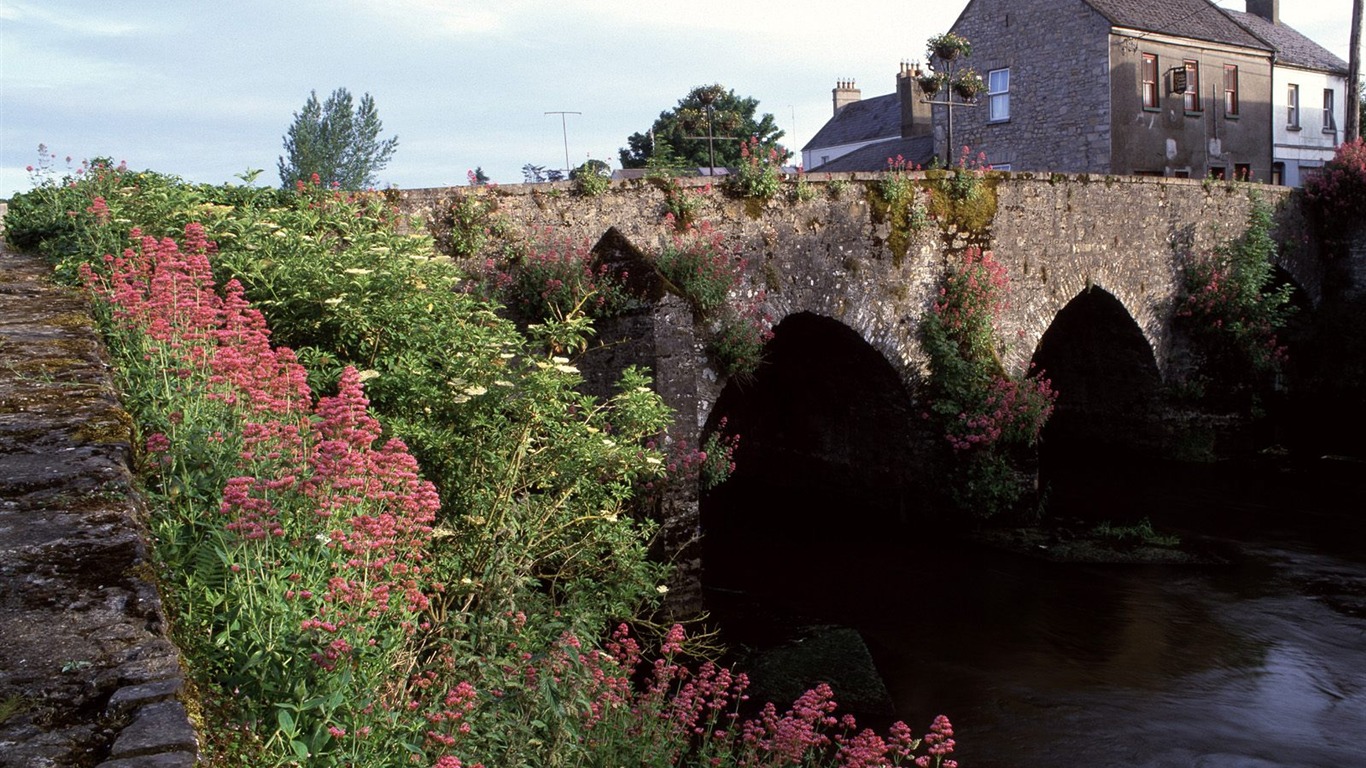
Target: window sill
1232, 117
1293, 128
1002, 121
1152, 109
1195, 113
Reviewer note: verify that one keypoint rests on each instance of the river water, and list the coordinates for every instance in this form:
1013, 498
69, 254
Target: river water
1257, 661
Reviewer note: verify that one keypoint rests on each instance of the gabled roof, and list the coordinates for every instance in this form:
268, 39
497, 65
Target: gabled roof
918, 150
1196, 19
866, 120
1291, 47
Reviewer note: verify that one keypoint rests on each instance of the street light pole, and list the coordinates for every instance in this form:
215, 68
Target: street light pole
564, 128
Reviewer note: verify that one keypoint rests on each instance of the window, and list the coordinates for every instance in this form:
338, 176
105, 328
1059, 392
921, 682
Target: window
1150, 92
1230, 90
1192, 96
998, 95
1292, 107
999, 167
1278, 174
1217, 173
1242, 172
1329, 123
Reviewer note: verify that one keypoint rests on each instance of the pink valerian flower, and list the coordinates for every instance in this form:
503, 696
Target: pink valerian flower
939, 743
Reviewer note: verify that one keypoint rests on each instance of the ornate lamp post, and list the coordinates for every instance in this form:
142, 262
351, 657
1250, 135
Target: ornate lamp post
950, 81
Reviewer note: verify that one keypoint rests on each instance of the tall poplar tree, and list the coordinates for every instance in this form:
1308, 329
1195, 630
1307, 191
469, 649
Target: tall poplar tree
336, 140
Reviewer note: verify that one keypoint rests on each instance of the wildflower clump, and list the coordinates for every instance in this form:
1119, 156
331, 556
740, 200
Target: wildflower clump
1337, 194
1232, 309
900, 199
964, 198
702, 268
983, 413
759, 174
554, 277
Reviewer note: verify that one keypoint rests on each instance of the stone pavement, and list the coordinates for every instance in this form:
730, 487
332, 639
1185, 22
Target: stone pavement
87, 674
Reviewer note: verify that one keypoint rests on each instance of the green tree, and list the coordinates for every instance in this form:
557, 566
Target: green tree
730, 118
338, 142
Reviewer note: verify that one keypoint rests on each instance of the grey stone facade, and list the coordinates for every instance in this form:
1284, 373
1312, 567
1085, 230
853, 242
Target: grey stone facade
1077, 93
1057, 52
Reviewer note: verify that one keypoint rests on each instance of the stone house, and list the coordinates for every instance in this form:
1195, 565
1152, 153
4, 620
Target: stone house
864, 133
1144, 87
1309, 95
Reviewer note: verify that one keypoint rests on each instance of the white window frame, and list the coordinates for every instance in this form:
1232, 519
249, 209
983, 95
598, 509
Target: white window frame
1329, 120
1191, 98
1150, 89
1292, 107
998, 95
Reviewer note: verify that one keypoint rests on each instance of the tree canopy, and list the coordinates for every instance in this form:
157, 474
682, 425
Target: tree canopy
338, 142
672, 140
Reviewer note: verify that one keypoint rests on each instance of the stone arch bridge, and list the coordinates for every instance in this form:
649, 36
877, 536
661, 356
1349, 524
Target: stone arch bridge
1102, 253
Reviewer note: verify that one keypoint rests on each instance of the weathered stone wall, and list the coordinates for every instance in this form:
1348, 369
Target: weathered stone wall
87, 674
1058, 55
829, 254
1057, 235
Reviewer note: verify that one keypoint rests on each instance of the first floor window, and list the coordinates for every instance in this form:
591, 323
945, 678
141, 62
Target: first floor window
1150, 92
1230, 90
1329, 124
1292, 106
1192, 96
998, 95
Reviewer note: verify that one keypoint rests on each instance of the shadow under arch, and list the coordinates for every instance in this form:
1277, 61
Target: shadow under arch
1106, 423
826, 470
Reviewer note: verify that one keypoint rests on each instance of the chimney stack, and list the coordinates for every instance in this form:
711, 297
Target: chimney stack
1267, 9
916, 118
845, 94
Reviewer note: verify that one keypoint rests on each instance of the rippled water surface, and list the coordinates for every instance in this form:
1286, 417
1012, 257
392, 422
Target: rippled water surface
1258, 662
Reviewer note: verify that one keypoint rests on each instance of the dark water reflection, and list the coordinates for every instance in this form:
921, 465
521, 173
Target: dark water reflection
1262, 662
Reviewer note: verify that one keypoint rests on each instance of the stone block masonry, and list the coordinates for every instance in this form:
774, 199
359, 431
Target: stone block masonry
829, 253
88, 676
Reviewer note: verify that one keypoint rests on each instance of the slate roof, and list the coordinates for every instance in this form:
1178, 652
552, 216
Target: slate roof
918, 150
1196, 19
1291, 47
866, 120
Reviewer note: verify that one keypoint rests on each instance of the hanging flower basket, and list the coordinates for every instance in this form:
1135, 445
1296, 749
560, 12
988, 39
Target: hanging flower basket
930, 83
948, 46
968, 84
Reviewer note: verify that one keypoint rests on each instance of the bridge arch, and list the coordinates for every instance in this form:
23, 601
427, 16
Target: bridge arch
1102, 365
827, 465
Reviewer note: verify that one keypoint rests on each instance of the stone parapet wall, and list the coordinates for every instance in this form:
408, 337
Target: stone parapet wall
828, 251
1057, 235
88, 676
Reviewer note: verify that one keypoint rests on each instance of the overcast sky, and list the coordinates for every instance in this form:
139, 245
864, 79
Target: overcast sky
206, 90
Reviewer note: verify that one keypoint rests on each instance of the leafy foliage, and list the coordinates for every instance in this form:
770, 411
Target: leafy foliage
592, 178
336, 143
1337, 194
983, 413
336, 610
1234, 310
759, 174
730, 117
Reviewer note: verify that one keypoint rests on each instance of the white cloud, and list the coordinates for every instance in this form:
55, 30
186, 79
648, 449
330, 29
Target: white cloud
82, 22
